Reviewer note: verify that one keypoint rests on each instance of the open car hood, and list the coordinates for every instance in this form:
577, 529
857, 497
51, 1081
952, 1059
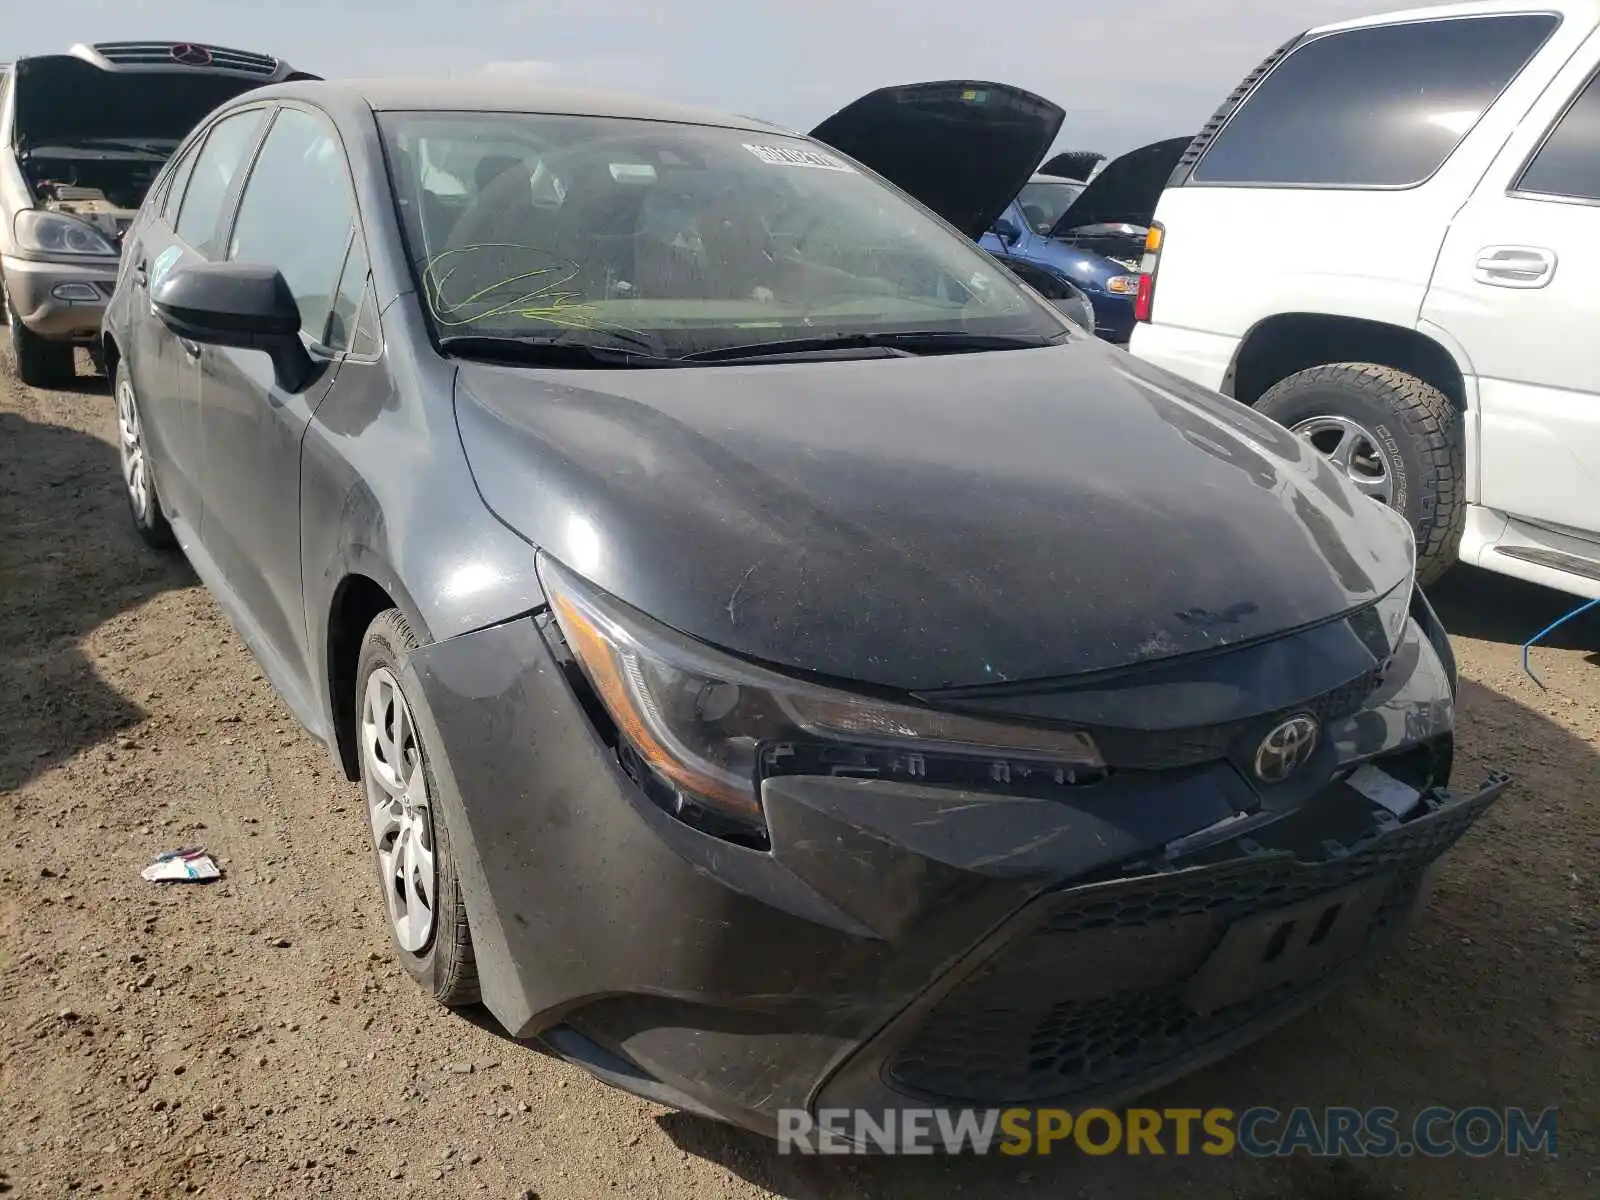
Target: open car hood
1072, 164
1126, 189
963, 148
62, 100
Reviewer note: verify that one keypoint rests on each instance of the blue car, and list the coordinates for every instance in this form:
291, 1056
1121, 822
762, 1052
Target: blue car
1089, 234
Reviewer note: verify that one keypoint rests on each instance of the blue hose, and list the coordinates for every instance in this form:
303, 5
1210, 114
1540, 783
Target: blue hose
1548, 629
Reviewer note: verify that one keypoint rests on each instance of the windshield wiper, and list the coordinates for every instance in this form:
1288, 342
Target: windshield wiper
558, 351
910, 342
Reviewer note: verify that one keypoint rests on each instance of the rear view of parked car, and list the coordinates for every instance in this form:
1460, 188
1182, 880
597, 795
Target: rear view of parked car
1420, 193
785, 662
82, 136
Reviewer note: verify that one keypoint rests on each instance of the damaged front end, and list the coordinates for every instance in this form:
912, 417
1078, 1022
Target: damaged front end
968, 927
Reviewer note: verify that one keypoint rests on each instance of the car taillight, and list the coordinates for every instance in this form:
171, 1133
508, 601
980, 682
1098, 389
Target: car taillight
1145, 299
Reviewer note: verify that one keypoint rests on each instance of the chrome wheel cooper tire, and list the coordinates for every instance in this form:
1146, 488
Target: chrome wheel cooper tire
416, 870
138, 475
1397, 438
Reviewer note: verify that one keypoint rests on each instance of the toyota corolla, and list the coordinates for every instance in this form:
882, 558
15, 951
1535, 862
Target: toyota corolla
785, 662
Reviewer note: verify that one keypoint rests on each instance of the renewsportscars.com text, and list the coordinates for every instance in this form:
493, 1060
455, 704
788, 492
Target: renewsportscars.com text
1336, 1132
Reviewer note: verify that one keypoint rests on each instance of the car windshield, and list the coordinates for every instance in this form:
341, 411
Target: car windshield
1043, 203
684, 239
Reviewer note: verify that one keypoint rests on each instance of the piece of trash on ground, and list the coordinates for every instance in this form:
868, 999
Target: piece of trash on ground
182, 866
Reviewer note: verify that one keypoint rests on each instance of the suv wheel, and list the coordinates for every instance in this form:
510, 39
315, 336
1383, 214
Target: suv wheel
40, 363
1395, 437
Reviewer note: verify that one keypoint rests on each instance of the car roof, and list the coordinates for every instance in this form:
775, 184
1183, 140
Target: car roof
508, 96
1037, 178
1583, 10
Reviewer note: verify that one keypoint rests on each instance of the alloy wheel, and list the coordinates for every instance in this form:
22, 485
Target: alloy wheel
400, 809
130, 441
1357, 454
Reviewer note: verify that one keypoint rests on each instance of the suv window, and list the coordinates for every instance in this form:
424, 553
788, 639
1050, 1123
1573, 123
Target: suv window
212, 176
297, 213
1568, 164
1379, 106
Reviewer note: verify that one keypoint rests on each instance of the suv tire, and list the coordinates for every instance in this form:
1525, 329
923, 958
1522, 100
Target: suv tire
40, 363
1412, 457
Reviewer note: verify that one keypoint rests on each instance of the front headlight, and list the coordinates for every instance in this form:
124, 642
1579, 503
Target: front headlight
1123, 285
57, 233
709, 727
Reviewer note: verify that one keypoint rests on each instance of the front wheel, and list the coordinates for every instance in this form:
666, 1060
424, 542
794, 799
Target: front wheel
41, 363
1395, 437
410, 839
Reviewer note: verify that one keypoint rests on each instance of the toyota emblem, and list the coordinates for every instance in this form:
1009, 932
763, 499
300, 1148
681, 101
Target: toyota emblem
1286, 749
191, 55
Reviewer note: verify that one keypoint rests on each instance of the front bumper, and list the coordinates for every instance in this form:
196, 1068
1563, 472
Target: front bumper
58, 300
899, 945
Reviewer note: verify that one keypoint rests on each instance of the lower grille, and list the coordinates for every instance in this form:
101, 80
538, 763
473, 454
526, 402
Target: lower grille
1096, 994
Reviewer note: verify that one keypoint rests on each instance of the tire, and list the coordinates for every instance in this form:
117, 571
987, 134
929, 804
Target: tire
440, 958
1415, 432
138, 475
40, 363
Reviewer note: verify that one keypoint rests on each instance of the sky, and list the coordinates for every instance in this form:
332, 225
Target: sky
1127, 74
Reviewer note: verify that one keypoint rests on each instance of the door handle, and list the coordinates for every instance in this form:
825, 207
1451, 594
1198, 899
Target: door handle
1514, 266
141, 277
192, 349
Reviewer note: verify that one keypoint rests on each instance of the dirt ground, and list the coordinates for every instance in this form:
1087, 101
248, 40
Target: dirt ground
253, 1038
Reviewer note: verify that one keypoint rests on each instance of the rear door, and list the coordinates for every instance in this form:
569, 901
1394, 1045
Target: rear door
183, 227
1329, 187
1518, 286
297, 213
962, 148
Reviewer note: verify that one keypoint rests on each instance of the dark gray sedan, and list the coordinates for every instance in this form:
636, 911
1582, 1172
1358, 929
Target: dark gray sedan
787, 663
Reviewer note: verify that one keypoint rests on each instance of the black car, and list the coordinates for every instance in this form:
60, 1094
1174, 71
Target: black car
786, 662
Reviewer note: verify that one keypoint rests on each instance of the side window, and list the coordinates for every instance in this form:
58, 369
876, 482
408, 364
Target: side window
1568, 164
177, 181
212, 176
1381, 106
347, 302
297, 213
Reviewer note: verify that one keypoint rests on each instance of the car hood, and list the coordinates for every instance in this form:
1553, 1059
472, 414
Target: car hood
1126, 189
963, 148
62, 100
1072, 164
918, 523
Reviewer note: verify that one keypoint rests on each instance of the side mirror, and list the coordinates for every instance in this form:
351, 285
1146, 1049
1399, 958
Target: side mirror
1006, 230
242, 305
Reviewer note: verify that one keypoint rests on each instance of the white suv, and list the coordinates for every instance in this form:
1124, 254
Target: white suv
1388, 239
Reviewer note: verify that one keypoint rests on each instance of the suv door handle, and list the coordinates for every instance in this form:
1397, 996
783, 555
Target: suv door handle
1514, 266
141, 277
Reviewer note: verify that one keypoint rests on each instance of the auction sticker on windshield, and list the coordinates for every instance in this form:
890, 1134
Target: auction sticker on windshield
791, 156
